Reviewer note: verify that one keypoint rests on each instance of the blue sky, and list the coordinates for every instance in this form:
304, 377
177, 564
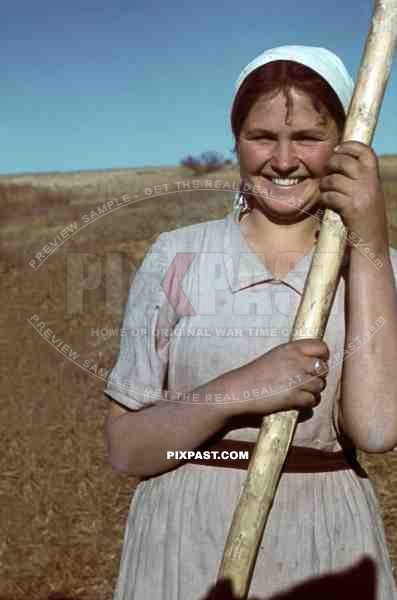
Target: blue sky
136, 83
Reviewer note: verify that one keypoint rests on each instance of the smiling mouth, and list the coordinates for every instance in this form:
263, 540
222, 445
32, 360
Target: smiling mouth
286, 182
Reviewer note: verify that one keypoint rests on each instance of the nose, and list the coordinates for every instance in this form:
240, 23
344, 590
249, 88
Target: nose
284, 159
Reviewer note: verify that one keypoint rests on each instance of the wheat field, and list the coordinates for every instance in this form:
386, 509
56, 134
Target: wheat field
63, 509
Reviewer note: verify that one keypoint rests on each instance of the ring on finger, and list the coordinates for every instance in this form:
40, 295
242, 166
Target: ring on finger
317, 365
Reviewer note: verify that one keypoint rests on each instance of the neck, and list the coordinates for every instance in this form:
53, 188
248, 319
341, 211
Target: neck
259, 229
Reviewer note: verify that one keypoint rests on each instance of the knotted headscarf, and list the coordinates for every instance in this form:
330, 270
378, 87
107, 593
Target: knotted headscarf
322, 61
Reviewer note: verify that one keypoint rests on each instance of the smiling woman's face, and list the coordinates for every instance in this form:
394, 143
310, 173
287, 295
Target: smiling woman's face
285, 160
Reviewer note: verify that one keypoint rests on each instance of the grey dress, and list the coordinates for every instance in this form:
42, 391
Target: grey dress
202, 304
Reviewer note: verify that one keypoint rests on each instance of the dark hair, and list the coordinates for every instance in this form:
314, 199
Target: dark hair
282, 75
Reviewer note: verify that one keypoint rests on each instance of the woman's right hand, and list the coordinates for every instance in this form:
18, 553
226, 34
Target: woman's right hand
284, 378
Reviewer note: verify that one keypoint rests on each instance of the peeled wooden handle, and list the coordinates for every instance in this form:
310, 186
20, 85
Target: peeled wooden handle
277, 430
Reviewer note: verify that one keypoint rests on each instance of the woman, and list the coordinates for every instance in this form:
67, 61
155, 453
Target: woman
215, 364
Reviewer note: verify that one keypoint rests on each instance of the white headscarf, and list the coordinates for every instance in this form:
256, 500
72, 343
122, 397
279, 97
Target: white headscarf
322, 61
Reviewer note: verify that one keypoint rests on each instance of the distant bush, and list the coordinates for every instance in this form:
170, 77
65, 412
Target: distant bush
206, 162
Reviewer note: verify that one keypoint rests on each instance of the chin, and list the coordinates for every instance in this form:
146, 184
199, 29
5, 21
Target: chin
277, 210
294, 203
285, 215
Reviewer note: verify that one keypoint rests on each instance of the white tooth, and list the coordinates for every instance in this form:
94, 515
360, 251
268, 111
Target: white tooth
285, 182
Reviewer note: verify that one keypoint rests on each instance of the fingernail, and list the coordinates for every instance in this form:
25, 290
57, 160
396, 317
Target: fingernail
336, 148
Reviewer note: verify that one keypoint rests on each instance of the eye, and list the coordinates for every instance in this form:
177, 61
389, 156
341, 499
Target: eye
264, 138
307, 138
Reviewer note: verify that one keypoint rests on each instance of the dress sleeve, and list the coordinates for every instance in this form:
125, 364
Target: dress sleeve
139, 376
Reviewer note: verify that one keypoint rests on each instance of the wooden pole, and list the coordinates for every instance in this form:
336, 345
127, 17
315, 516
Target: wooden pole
277, 430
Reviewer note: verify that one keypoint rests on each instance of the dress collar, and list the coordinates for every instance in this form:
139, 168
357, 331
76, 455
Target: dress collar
244, 268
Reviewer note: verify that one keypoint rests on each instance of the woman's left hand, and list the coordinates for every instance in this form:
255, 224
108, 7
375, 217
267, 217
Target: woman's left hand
352, 187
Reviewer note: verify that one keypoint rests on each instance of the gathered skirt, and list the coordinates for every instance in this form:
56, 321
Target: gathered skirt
324, 537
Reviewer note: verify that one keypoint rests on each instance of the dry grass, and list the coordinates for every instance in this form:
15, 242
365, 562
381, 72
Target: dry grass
62, 509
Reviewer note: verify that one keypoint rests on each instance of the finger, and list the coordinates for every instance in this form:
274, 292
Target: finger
307, 399
336, 182
345, 165
312, 386
314, 347
315, 379
315, 385
316, 366
316, 399
335, 201
319, 385
358, 150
